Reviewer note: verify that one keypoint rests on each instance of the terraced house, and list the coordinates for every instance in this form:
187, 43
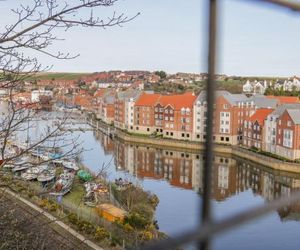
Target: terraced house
124, 108
254, 129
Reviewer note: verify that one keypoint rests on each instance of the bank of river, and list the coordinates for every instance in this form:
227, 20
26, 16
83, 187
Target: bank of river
174, 175
268, 161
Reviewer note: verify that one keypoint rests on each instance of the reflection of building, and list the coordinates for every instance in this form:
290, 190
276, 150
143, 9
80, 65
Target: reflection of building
106, 142
184, 170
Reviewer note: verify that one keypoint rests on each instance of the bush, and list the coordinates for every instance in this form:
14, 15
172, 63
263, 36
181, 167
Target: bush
136, 221
73, 218
101, 233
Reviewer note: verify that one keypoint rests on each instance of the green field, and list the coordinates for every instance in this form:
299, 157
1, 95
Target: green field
59, 76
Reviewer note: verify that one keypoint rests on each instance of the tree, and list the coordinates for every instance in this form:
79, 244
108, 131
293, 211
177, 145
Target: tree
36, 23
34, 29
161, 74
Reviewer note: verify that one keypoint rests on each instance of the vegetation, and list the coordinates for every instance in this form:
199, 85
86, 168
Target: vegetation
281, 92
161, 74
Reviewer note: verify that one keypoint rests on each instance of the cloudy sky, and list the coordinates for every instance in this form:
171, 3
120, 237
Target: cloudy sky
170, 35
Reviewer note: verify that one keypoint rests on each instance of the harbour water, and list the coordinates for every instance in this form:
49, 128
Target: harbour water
175, 177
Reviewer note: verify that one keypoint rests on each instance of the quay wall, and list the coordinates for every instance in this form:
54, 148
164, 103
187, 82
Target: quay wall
267, 161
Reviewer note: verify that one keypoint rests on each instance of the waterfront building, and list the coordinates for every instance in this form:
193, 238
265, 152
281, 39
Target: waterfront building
106, 108
124, 109
177, 115
271, 127
288, 141
254, 129
144, 122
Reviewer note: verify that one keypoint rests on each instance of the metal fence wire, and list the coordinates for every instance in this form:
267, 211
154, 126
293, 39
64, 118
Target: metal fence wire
208, 228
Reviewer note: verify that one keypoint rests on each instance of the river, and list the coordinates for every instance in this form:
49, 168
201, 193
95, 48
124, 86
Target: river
175, 177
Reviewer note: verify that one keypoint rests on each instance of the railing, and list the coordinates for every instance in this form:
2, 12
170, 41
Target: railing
208, 228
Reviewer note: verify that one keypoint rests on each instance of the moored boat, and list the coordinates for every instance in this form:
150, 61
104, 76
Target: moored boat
63, 185
70, 165
46, 175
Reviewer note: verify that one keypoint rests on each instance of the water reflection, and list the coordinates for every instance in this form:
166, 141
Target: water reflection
182, 169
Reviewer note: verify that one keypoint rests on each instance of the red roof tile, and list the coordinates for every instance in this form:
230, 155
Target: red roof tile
185, 100
284, 99
260, 115
147, 99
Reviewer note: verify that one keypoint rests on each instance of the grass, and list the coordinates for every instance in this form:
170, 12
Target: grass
58, 76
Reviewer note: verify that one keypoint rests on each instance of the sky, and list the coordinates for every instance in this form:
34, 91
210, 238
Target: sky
170, 35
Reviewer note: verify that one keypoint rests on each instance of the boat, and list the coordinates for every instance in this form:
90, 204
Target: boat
70, 165
64, 184
31, 173
56, 158
22, 167
46, 175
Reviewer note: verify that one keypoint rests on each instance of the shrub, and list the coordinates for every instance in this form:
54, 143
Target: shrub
101, 233
136, 221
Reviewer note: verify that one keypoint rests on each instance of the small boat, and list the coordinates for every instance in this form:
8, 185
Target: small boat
46, 175
31, 173
64, 184
70, 165
22, 167
56, 158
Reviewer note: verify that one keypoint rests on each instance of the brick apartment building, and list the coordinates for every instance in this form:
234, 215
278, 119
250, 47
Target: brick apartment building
254, 129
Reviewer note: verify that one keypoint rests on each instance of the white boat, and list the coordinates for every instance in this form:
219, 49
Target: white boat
70, 165
22, 167
32, 173
46, 175
64, 184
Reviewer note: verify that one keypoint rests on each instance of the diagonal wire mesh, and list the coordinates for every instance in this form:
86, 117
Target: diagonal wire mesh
208, 228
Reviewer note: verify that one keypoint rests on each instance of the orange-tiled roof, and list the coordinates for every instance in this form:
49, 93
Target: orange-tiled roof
260, 115
185, 100
147, 99
83, 101
284, 99
99, 93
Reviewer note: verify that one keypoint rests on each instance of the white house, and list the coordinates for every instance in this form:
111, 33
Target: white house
36, 94
247, 87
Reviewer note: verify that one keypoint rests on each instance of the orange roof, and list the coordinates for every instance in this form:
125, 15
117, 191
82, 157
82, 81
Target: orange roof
147, 99
185, 100
284, 99
260, 115
99, 92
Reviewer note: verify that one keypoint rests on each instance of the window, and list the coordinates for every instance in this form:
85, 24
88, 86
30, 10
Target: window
182, 135
171, 135
222, 138
148, 129
166, 111
227, 138
289, 123
167, 133
171, 125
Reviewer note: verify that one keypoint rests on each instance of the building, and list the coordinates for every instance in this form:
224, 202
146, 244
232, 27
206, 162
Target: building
124, 108
144, 122
254, 129
288, 138
271, 129
174, 116
36, 94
